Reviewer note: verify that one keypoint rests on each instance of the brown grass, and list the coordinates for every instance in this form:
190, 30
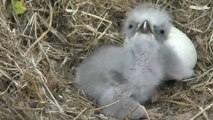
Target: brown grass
40, 49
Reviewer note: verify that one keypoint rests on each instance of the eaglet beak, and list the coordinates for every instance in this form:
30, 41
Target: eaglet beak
144, 28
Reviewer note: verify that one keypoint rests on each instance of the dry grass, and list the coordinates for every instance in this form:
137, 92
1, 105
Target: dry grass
40, 49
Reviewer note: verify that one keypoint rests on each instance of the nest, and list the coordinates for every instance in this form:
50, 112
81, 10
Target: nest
41, 48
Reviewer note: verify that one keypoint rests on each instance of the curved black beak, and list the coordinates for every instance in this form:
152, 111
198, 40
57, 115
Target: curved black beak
145, 28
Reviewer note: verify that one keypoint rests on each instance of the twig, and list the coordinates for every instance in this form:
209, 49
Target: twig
80, 114
49, 92
95, 109
39, 39
199, 113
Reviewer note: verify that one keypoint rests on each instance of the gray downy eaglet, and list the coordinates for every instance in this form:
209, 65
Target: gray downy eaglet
127, 75
130, 75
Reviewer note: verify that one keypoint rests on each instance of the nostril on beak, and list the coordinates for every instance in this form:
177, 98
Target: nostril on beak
144, 28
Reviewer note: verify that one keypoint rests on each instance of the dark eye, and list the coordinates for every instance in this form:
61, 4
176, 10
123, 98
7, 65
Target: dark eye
162, 31
130, 26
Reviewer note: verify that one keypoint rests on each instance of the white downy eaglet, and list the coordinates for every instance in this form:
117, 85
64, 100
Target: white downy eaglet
128, 75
